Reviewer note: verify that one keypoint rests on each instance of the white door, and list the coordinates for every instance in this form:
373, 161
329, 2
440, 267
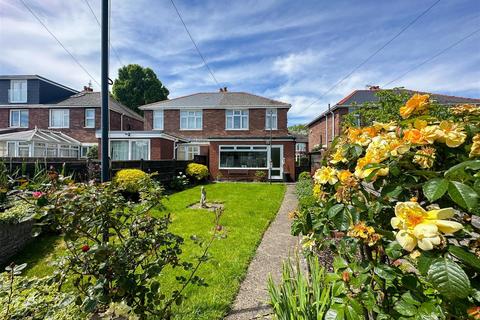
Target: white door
276, 162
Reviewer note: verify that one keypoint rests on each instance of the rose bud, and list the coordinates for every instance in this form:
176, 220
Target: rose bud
85, 248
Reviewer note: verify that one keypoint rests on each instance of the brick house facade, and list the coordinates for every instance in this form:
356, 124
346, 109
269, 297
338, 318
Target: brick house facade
34, 102
328, 125
231, 129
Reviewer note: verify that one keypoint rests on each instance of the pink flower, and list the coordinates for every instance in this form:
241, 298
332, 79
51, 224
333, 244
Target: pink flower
37, 194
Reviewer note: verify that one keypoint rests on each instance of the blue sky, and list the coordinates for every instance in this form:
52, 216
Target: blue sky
293, 51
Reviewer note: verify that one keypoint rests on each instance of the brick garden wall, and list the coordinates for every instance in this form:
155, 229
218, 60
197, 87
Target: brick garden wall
13, 238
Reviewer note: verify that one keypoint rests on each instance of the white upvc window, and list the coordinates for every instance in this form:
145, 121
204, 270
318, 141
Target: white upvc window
271, 119
19, 118
301, 147
18, 149
190, 120
132, 149
18, 91
158, 120
59, 118
243, 157
187, 152
236, 119
89, 118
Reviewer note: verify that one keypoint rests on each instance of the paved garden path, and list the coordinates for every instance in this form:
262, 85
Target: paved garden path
277, 244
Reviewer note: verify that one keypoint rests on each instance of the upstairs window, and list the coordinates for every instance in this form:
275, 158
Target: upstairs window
237, 119
89, 118
190, 120
158, 120
271, 121
19, 118
18, 91
59, 118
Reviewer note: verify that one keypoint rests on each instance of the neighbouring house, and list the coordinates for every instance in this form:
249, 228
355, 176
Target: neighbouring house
29, 102
239, 134
301, 147
328, 125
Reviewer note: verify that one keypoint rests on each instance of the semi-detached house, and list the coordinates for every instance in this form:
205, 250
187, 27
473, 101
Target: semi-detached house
239, 133
42, 118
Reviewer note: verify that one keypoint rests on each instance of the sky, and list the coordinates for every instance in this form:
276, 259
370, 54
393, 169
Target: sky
293, 51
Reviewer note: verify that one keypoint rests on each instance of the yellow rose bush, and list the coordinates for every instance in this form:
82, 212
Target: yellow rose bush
403, 194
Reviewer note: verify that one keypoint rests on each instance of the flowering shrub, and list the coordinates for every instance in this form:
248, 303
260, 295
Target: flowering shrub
179, 182
405, 194
130, 179
197, 171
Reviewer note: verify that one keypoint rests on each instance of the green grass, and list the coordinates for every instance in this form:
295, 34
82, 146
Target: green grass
249, 209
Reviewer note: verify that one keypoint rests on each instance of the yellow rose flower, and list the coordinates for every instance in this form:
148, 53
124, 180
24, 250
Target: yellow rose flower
379, 126
431, 134
466, 109
414, 136
326, 175
425, 157
418, 103
338, 155
365, 233
418, 227
344, 175
318, 192
475, 150
452, 134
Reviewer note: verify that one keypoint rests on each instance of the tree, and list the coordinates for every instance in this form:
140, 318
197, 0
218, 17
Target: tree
137, 86
299, 129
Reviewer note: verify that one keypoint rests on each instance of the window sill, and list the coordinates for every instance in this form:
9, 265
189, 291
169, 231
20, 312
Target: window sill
221, 168
191, 129
18, 127
58, 127
88, 127
237, 129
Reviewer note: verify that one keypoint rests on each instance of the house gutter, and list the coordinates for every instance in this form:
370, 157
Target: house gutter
333, 122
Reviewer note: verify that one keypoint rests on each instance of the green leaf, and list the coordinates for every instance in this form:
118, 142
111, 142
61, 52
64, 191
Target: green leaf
434, 189
449, 279
394, 250
460, 168
333, 211
466, 257
405, 308
339, 263
385, 272
343, 220
463, 195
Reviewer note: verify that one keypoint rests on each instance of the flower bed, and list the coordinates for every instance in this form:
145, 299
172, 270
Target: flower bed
404, 194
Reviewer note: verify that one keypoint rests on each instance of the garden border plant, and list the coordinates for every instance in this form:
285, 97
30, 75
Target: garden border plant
404, 193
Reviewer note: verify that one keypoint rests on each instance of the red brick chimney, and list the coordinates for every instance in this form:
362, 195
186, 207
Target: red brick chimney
374, 88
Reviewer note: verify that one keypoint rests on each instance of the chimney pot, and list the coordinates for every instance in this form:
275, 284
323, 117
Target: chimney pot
221, 89
224, 89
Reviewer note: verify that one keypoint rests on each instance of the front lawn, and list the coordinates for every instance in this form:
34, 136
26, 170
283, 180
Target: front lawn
249, 208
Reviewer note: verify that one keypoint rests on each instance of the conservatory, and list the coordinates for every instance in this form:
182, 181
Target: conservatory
38, 143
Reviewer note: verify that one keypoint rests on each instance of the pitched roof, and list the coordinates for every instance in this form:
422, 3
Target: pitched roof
94, 99
359, 97
217, 100
40, 135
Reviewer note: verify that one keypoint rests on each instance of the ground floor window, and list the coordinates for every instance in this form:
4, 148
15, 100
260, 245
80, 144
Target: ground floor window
85, 149
239, 157
41, 149
187, 152
130, 149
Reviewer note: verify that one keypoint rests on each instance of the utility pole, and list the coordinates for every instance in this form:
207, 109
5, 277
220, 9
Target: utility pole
104, 93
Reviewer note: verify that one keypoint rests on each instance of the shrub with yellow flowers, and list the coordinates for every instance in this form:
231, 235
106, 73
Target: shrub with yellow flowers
405, 194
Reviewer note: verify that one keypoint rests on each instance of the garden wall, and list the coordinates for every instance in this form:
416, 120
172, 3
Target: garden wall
13, 237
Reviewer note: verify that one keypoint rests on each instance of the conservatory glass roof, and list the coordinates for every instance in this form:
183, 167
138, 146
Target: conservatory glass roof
39, 135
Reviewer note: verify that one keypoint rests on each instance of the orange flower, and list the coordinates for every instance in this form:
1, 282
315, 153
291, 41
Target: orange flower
418, 103
414, 136
475, 149
474, 312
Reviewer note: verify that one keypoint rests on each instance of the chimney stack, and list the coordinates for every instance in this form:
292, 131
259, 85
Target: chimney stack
374, 88
224, 89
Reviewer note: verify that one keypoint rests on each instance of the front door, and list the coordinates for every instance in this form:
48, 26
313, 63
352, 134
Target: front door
276, 162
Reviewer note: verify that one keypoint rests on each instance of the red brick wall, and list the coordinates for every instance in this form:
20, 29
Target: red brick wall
288, 154
317, 136
161, 149
214, 124
40, 118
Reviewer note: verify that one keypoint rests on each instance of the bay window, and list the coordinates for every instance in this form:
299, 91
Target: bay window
59, 118
89, 118
158, 120
271, 119
243, 157
236, 119
19, 118
190, 120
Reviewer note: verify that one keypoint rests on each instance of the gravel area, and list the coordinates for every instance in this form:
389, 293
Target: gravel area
277, 244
